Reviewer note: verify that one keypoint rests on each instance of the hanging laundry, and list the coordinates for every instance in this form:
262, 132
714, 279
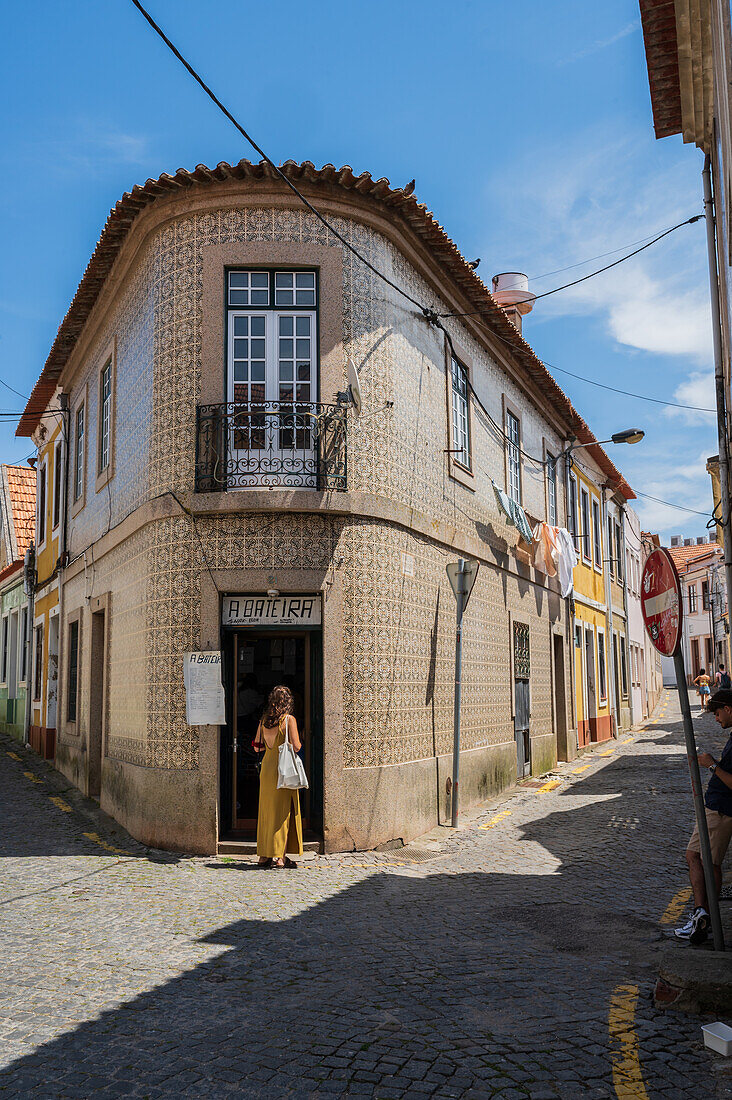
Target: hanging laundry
565, 559
546, 540
514, 513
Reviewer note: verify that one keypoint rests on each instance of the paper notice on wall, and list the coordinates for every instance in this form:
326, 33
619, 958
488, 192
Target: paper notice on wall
205, 704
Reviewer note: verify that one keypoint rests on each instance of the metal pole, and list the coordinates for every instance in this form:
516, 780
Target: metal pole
622, 558
609, 648
719, 382
458, 689
701, 817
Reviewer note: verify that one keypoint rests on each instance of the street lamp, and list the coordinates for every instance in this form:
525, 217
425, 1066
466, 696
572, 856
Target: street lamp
628, 435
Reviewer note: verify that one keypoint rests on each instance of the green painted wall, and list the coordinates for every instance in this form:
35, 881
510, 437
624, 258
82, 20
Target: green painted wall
12, 711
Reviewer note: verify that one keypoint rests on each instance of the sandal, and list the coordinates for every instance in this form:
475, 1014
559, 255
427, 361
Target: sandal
289, 862
276, 865
265, 865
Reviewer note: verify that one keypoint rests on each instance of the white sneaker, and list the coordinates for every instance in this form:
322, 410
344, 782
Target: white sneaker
696, 928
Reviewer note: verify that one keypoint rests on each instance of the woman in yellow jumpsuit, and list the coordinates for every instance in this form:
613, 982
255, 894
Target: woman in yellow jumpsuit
279, 824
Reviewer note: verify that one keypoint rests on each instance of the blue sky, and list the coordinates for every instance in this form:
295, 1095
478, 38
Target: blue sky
527, 127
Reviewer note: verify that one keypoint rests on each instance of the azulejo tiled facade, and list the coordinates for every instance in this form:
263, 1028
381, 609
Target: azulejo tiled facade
148, 560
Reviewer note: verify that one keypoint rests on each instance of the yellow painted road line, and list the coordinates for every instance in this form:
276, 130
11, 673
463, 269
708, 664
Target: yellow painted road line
608, 752
582, 769
33, 778
627, 741
13, 756
60, 803
627, 1076
676, 906
549, 786
107, 847
496, 820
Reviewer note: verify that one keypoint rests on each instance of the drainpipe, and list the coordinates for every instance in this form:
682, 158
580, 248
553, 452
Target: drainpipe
628, 667
29, 583
609, 650
719, 382
572, 617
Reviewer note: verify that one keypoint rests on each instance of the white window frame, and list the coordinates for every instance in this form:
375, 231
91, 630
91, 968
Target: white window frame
692, 592
586, 538
80, 453
574, 512
23, 647
58, 485
601, 679
514, 487
106, 398
597, 534
42, 503
461, 441
38, 624
4, 648
552, 500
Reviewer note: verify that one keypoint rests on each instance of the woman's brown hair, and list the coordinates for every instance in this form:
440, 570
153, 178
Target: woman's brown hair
279, 704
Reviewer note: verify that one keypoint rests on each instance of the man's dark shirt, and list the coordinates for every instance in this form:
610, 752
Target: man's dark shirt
719, 796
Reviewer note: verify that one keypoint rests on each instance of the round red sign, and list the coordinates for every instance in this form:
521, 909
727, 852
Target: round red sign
661, 602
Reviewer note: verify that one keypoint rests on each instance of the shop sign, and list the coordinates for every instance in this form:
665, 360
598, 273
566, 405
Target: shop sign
287, 610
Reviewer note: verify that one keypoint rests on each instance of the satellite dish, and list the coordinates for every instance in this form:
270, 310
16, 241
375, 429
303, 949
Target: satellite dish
354, 386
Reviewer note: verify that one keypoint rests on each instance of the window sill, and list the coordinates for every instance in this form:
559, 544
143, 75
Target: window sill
78, 505
461, 474
104, 478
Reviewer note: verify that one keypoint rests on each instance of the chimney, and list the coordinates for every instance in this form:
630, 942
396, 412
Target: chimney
688, 542
676, 540
511, 291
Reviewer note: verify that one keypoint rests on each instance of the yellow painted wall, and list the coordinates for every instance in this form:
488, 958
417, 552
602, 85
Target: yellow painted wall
47, 555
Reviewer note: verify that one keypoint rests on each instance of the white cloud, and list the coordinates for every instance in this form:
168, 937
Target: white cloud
697, 390
601, 43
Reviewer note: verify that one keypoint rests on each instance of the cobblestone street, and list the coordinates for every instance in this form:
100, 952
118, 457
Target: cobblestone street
514, 959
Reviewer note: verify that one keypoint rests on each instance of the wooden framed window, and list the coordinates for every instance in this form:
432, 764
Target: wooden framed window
623, 667
586, 537
460, 443
513, 456
38, 664
551, 490
23, 644
597, 534
72, 685
705, 595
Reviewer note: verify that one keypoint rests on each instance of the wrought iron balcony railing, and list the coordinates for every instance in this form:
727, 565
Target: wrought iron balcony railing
270, 444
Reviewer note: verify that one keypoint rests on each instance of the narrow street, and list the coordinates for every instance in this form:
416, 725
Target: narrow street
515, 959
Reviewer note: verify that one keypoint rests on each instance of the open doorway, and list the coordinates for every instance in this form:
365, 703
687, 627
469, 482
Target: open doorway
560, 699
97, 703
590, 694
256, 661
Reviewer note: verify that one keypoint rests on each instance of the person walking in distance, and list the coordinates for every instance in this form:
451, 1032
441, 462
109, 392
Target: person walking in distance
703, 683
279, 824
718, 807
722, 679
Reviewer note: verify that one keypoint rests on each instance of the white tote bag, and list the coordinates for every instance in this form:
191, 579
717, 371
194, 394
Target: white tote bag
290, 769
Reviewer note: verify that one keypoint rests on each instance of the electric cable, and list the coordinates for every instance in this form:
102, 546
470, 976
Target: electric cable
592, 274
591, 259
199, 80
8, 387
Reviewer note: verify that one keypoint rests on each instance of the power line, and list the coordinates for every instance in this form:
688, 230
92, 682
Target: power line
199, 80
677, 507
591, 275
590, 259
7, 387
627, 393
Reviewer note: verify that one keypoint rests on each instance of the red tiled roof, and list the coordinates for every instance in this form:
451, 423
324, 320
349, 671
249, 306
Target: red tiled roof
442, 250
684, 555
662, 61
22, 488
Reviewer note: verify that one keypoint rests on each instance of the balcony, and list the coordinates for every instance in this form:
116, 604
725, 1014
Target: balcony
270, 444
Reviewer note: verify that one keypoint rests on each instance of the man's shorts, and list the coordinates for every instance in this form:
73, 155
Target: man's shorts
720, 835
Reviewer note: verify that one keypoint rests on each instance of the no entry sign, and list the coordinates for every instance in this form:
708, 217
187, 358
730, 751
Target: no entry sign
661, 602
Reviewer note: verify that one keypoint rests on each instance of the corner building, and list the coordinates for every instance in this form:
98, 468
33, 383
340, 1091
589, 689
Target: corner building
222, 496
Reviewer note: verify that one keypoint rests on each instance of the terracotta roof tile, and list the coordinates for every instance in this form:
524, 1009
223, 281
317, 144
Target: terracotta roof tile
417, 217
684, 555
662, 61
22, 487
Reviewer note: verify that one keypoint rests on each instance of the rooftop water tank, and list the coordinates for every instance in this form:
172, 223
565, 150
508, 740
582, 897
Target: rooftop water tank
511, 291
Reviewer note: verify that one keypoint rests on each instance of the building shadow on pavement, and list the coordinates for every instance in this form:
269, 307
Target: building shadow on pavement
483, 972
